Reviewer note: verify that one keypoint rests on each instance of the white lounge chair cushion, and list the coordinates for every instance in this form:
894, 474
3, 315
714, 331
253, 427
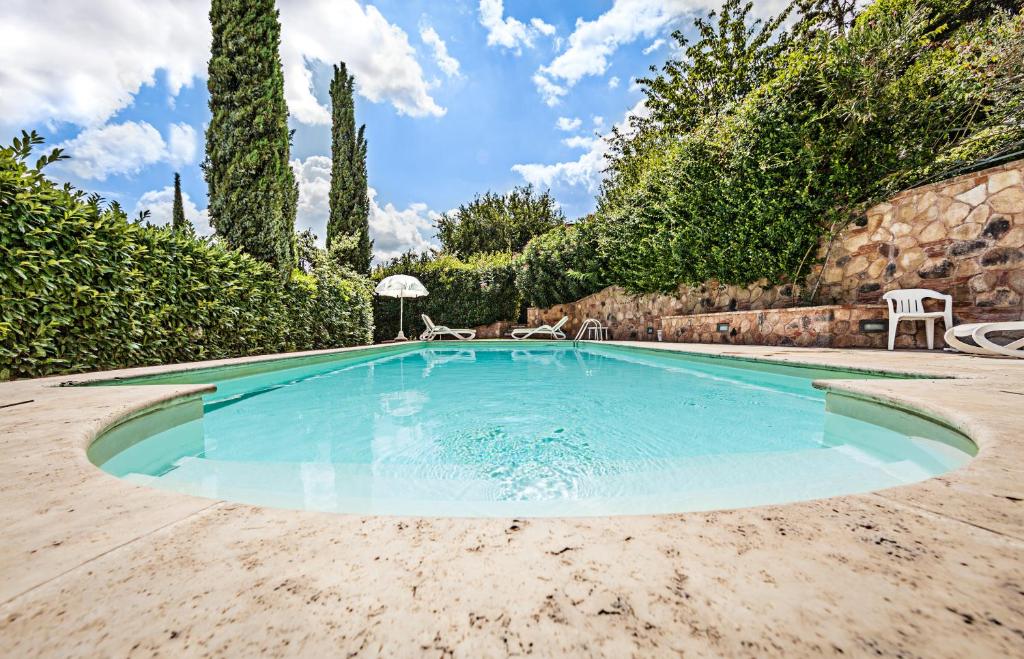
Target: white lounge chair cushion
983, 345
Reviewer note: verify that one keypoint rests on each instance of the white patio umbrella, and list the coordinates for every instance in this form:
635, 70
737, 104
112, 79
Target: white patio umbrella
400, 286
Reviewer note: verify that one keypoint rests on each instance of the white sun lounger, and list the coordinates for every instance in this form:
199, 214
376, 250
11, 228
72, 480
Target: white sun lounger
555, 331
979, 332
434, 331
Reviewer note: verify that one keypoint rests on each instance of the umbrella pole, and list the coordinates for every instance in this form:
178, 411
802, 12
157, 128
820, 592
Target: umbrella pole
401, 318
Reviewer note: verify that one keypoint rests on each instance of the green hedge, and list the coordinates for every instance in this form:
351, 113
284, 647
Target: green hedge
845, 122
478, 291
560, 266
82, 288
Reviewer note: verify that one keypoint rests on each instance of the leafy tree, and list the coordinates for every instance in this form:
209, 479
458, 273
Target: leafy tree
731, 56
178, 221
252, 189
498, 223
348, 222
306, 250
561, 265
828, 17
846, 121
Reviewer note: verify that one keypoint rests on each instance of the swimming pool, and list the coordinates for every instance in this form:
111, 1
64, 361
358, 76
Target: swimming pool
524, 429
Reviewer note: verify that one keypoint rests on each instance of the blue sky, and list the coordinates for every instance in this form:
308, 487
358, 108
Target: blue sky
459, 96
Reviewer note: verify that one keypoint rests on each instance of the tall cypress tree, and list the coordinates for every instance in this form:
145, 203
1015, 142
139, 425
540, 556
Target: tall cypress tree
178, 222
253, 194
348, 227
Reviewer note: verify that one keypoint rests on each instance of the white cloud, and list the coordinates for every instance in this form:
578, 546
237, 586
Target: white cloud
598, 122
593, 42
393, 230
97, 55
567, 124
377, 52
160, 204
580, 142
551, 92
587, 171
181, 145
126, 148
445, 62
655, 45
505, 32
81, 62
547, 29
509, 32
314, 178
613, 82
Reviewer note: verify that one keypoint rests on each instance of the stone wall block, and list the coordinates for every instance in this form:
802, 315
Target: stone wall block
911, 258
901, 229
983, 282
932, 232
936, 268
856, 265
997, 227
909, 280
937, 247
1002, 256
1001, 296
1013, 238
1001, 180
855, 240
881, 235
967, 231
927, 200
1008, 200
877, 267
1015, 280
905, 242
968, 268
974, 196
955, 213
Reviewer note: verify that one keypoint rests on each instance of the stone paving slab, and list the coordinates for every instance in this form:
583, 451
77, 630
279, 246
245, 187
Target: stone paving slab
92, 565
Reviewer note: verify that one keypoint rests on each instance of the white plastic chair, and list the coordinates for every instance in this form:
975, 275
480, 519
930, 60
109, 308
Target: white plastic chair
554, 330
434, 331
908, 304
985, 346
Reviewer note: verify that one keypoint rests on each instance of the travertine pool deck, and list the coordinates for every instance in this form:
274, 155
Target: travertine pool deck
91, 565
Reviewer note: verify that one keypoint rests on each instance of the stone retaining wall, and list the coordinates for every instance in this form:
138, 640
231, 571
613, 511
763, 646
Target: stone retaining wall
498, 330
963, 236
823, 327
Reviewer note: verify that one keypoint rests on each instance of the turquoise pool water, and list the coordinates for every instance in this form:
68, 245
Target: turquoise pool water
529, 429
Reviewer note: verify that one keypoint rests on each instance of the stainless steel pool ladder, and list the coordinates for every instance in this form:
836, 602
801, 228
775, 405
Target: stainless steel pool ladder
587, 324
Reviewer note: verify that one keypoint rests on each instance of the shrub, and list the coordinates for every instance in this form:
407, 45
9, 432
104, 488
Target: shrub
478, 291
561, 265
845, 121
343, 306
82, 288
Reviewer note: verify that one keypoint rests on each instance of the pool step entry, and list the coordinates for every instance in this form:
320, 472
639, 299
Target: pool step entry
711, 481
592, 325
